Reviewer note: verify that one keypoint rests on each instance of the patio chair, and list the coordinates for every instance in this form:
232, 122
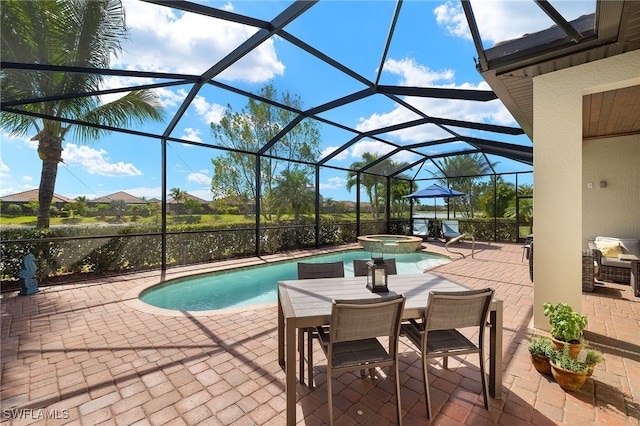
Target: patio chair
450, 229
352, 342
526, 246
438, 335
530, 256
310, 271
421, 227
360, 267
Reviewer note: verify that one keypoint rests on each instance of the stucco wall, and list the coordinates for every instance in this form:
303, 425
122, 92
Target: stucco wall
558, 180
615, 209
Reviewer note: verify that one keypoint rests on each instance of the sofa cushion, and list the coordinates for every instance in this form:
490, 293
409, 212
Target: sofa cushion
614, 261
609, 248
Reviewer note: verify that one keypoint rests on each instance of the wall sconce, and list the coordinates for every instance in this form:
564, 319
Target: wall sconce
377, 275
603, 184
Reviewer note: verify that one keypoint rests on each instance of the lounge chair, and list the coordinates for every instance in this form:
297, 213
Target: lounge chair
352, 342
421, 227
313, 271
437, 336
450, 229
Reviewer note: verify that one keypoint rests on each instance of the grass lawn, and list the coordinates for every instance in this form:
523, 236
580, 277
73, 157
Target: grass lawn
229, 219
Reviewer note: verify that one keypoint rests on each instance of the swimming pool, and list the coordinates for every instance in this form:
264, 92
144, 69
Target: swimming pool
258, 284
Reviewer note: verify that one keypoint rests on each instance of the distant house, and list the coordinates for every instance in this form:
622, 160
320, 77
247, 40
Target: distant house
22, 198
119, 196
172, 204
188, 196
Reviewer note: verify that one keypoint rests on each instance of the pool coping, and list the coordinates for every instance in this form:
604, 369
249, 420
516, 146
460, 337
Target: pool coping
131, 297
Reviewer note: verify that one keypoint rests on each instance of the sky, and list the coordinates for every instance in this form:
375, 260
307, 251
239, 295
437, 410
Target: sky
431, 47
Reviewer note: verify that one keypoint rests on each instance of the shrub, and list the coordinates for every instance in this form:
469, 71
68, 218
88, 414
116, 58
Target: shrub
566, 324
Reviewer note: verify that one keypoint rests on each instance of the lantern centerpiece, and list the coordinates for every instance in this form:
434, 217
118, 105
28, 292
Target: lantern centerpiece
377, 275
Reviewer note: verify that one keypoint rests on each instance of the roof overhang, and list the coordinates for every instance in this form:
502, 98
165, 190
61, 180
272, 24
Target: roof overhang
509, 67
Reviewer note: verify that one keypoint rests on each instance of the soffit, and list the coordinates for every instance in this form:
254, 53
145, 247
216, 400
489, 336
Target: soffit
612, 113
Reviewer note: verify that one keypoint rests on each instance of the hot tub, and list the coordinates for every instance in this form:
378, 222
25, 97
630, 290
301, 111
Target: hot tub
390, 243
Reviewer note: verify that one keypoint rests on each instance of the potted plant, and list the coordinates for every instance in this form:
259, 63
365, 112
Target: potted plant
566, 326
569, 373
540, 351
592, 358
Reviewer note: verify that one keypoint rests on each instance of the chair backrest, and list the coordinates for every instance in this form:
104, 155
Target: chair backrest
457, 309
420, 226
320, 270
360, 319
360, 267
450, 227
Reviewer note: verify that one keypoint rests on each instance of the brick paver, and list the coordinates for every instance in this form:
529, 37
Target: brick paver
90, 353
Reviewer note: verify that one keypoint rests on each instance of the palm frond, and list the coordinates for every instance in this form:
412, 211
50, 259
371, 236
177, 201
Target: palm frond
134, 108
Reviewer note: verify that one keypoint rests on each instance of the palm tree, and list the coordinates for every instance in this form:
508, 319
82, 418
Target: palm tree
370, 182
79, 33
375, 185
293, 193
178, 196
465, 168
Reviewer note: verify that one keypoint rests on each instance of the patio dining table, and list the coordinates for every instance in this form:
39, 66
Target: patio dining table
307, 303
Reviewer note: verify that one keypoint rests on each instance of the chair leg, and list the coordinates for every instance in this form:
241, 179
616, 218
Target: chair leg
301, 332
398, 403
484, 382
310, 359
425, 381
330, 395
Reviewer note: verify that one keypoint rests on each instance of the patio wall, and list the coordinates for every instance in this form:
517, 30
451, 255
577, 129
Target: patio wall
558, 180
615, 209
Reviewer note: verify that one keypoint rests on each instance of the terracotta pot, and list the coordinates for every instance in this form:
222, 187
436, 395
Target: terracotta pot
541, 363
568, 380
574, 348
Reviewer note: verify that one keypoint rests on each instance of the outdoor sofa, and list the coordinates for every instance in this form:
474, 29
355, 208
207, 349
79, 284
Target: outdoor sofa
601, 261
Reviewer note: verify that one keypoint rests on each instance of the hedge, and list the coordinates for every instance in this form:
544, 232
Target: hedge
110, 250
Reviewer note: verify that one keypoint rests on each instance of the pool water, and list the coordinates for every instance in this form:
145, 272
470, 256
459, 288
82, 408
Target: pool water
258, 284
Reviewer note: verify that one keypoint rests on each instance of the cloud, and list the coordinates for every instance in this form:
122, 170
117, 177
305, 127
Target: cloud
191, 135
199, 177
501, 20
451, 16
95, 162
167, 40
211, 113
4, 169
19, 140
335, 182
413, 74
372, 147
328, 150
410, 73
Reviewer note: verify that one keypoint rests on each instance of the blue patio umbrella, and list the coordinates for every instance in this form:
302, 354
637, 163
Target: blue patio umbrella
435, 191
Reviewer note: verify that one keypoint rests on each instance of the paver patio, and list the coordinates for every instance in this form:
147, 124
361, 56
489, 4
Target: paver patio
90, 353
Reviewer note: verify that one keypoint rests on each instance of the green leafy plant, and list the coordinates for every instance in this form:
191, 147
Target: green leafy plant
542, 346
566, 361
593, 357
566, 324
